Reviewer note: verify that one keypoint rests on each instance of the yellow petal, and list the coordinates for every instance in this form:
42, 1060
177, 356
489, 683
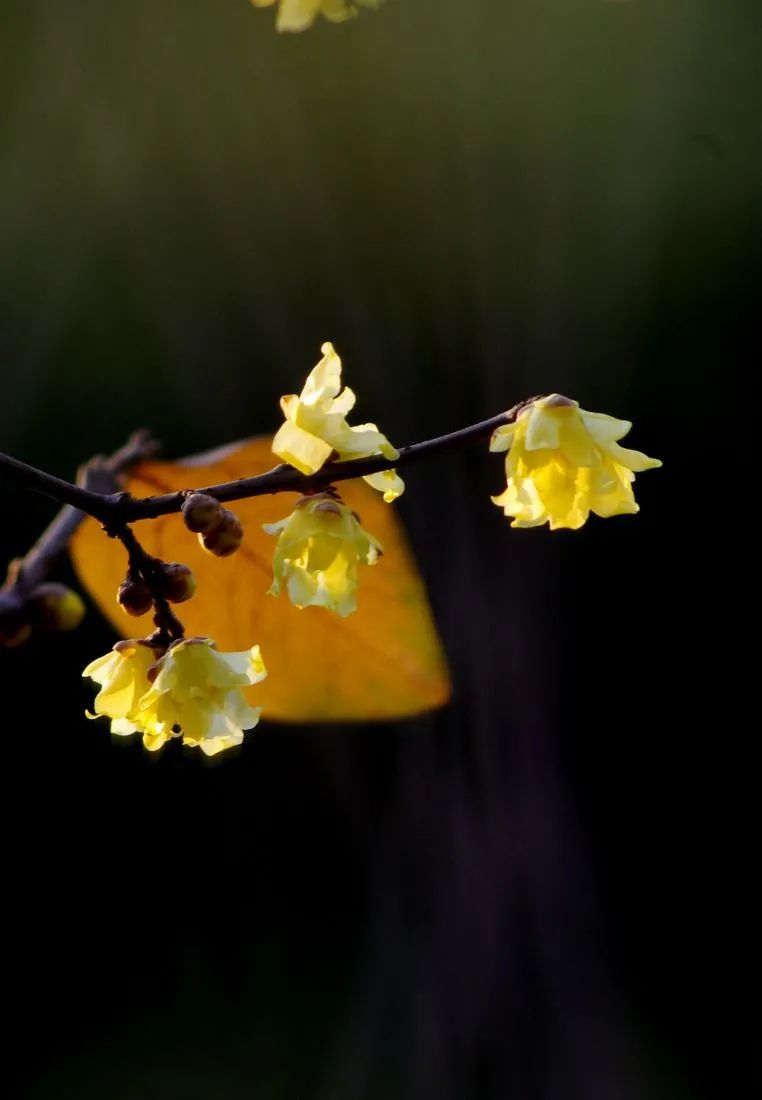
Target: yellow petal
300, 449
344, 403
603, 428
297, 15
502, 437
633, 460
543, 429
324, 380
387, 482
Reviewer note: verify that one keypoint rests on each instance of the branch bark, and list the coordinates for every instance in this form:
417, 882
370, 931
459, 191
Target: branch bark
97, 478
115, 509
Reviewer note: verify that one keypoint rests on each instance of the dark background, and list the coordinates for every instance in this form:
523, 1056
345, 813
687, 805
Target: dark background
475, 200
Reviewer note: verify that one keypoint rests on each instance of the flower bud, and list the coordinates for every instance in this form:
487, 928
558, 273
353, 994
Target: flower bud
225, 537
201, 512
56, 607
176, 582
14, 627
134, 596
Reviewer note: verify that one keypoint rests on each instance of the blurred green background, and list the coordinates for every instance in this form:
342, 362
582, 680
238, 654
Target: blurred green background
475, 200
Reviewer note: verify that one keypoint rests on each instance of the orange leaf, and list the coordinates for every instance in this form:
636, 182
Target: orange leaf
385, 661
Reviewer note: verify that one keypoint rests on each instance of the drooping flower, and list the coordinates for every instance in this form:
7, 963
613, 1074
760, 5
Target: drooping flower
564, 462
316, 428
318, 550
297, 15
192, 691
123, 676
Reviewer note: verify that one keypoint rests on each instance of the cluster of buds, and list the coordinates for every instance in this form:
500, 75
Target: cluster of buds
49, 608
219, 530
173, 581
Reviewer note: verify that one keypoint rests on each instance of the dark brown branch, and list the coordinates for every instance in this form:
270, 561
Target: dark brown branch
98, 476
115, 510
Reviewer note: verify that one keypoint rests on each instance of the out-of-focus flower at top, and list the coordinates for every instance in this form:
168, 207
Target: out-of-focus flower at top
564, 462
297, 15
318, 550
192, 691
316, 428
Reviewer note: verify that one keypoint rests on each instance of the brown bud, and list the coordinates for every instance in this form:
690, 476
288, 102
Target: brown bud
225, 537
134, 596
56, 607
176, 582
201, 512
14, 627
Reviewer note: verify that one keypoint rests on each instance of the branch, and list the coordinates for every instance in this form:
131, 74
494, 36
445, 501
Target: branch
146, 567
97, 477
116, 509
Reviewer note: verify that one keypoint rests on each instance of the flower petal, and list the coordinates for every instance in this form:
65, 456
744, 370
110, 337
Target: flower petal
603, 428
633, 460
297, 15
543, 429
306, 452
387, 482
502, 437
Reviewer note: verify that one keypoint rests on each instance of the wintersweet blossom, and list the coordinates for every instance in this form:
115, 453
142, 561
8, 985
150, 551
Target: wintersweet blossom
191, 691
316, 428
564, 462
297, 15
123, 677
318, 550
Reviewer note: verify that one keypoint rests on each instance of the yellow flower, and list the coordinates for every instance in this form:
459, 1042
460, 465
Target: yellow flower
316, 428
123, 676
317, 553
192, 692
564, 463
297, 15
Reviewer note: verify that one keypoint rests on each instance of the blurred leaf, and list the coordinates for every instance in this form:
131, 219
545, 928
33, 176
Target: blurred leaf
383, 662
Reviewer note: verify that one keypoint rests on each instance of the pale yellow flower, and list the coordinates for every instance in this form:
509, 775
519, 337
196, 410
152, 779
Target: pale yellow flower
564, 462
297, 15
316, 428
192, 691
123, 676
318, 550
